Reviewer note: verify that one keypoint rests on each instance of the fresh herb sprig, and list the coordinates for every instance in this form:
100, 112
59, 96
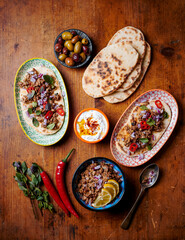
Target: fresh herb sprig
30, 182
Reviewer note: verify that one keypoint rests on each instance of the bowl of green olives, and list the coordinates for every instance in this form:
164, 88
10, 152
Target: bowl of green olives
73, 48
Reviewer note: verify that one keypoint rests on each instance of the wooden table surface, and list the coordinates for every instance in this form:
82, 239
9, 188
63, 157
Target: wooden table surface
28, 29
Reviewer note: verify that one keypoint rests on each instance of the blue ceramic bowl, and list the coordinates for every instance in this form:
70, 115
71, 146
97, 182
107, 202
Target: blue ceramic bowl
82, 168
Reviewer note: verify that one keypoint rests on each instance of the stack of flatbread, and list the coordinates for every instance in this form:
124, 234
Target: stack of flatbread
118, 69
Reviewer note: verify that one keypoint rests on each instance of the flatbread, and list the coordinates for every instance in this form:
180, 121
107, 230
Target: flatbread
23, 92
109, 69
120, 95
136, 38
123, 134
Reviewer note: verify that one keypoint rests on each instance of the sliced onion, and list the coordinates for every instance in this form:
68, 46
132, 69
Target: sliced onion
45, 121
128, 152
97, 167
143, 112
138, 145
141, 156
33, 80
31, 72
27, 114
143, 100
133, 135
144, 116
56, 106
139, 125
137, 104
40, 75
153, 137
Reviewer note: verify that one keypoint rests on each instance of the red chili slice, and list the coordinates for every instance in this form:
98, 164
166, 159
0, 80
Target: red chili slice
133, 147
60, 111
29, 89
49, 115
44, 104
144, 125
158, 103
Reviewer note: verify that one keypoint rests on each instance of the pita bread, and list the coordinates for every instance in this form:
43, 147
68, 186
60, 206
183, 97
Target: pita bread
109, 69
123, 134
24, 106
136, 38
121, 95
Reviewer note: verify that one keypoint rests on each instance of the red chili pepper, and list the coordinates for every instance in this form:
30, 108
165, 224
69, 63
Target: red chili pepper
29, 89
60, 111
133, 147
158, 103
49, 115
52, 191
61, 185
144, 125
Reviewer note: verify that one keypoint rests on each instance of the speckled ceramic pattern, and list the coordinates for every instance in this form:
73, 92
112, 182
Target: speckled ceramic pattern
150, 95
29, 131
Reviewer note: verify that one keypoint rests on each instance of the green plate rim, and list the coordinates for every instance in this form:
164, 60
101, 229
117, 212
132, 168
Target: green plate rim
61, 81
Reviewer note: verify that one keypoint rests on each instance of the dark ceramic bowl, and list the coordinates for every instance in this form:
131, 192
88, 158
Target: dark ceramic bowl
83, 35
82, 168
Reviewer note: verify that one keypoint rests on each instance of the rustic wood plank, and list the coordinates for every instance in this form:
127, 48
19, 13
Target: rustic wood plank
28, 29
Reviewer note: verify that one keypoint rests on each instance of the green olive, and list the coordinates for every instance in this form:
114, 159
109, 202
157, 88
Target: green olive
71, 54
78, 47
69, 61
66, 43
62, 57
75, 39
67, 35
70, 46
84, 41
83, 56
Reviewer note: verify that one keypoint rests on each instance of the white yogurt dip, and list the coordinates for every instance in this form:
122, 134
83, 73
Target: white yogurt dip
91, 125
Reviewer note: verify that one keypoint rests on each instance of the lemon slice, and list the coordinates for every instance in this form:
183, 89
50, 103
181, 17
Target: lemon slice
116, 184
103, 199
110, 187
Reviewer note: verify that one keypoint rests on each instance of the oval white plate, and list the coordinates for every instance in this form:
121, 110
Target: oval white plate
149, 95
33, 135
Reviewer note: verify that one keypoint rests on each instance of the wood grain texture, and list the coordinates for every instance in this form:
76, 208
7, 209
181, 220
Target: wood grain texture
28, 29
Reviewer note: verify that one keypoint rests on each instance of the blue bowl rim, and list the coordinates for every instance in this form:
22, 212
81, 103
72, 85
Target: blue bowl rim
75, 176
90, 47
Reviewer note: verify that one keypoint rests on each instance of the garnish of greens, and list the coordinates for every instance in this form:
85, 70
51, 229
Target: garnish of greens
30, 182
165, 114
49, 79
35, 122
144, 140
143, 107
150, 122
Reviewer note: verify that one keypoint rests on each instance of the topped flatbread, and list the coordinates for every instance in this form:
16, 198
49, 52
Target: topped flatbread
41, 100
109, 69
136, 38
144, 127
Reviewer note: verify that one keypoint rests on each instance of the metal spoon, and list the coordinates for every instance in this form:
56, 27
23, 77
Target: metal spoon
147, 179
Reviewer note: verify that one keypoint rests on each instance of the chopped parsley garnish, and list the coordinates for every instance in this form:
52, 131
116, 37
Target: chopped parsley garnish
150, 122
143, 107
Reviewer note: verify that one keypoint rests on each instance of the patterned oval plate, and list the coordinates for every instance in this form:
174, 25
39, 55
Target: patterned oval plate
33, 135
149, 95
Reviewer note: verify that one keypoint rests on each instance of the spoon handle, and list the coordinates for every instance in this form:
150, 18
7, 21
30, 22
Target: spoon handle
126, 222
